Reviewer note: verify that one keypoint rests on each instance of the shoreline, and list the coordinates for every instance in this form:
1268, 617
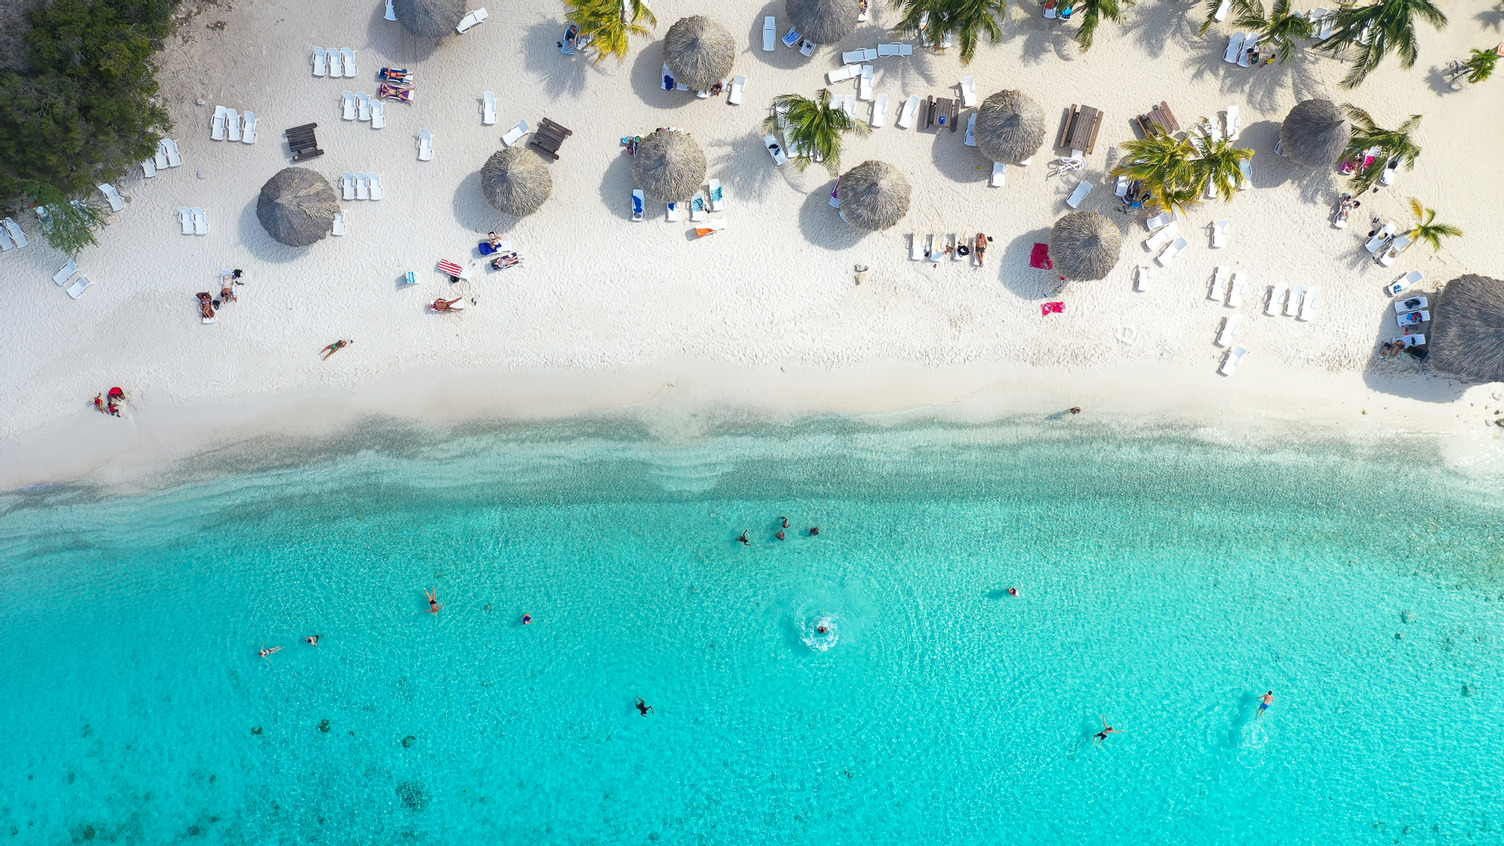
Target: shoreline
680, 403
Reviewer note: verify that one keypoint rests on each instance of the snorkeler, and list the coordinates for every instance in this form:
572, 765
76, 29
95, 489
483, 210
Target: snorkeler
1106, 730
643, 707
267, 653
433, 601
1264, 705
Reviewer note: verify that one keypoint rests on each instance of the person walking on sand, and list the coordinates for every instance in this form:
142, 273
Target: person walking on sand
1264, 704
433, 600
336, 347
1106, 730
642, 707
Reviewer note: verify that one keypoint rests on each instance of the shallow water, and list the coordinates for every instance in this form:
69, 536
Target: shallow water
1165, 584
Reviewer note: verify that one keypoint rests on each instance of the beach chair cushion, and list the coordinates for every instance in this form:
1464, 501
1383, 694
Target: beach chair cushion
775, 149
1229, 328
880, 111
425, 145
63, 273
717, 196
375, 180
769, 34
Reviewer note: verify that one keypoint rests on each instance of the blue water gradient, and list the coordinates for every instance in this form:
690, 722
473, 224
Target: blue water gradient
1165, 584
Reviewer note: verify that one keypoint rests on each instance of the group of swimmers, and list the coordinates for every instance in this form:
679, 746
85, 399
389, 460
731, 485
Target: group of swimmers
434, 606
1264, 703
746, 540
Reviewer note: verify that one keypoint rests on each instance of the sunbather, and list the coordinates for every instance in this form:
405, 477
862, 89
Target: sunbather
205, 305
506, 261
392, 92
982, 241
442, 304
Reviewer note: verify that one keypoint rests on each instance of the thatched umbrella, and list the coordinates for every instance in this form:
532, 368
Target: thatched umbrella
515, 181
1010, 127
1085, 245
1315, 133
699, 52
297, 207
429, 18
669, 166
824, 21
874, 195
1467, 335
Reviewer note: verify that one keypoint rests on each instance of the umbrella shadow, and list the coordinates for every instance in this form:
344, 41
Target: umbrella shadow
392, 40
256, 241
958, 162
822, 225
647, 80
552, 71
616, 191
783, 58
1406, 376
471, 210
1015, 272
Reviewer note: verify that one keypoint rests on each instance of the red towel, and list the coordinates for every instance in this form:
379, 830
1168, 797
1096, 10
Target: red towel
1040, 257
450, 267
1051, 308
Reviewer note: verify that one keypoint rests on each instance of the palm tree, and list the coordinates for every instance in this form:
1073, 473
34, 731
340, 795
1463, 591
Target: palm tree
1278, 31
813, 128
1481, 65
1392, 144
1217, 161
606, 24
968, 19
1427, 229
1387, 26
1092, 13
1162, 163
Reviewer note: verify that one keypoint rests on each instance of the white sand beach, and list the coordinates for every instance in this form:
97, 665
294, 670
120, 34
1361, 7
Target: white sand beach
764, 317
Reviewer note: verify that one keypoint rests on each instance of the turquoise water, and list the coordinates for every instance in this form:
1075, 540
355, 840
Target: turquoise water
1166, 585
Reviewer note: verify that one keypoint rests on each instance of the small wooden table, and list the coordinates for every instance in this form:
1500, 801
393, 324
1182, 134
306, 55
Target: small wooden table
1078, 131
942, 111
547, 138
1159, 116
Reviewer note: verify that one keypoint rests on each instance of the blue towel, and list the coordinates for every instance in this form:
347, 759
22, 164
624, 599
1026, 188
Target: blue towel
485, 248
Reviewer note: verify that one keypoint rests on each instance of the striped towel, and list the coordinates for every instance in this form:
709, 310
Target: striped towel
450, 267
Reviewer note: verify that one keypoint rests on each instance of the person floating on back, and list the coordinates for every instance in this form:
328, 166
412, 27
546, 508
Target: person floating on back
267, 653
433, 601
1265, 703
1106, 730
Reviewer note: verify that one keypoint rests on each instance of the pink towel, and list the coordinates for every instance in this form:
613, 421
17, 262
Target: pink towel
1040, 257
1051, 308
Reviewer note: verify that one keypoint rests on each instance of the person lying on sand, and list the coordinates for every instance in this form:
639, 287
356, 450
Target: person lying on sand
335, 347
442, 304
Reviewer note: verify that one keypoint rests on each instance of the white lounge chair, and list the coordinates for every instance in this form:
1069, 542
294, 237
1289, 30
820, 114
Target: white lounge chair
848, 105
851, 57
957, 240
1246, 180
200, 222
668, 79
248, 128
1390, 171
968, 92
378, 114
864, 84
375, 180
1165, 235
673, 212
362, 187
113, 196
775, 149
1230, 364
1121, 190
169, 149
336, 65
64, 272
1142, 277
348, 55
1404, 283
1221, 12
320, 63
185, 217
1229, 328
1276, 299
488, 108
363, 106
425, 145
515, 133
472, 19
1392, 252
1219, 233
1232, 121
769, 34
1235, 291
349, 105
1218, 289
1379, 238
1160, 221
161, 155
1172, 251
217, 130
339, 224
703, 93
717, 195
148, 169
1292, 302
906, 114
905, 49
971, 130
999, 174
639, 206
1234, 48
79, 286
880, 111
1074, 200
391, 11
232, 121
738, 89
16, 233
843, 73
347, 185
1411, 340
1308, 305
885, 50
937, 247
697, 208
1411, 304
916, 247
1413, 318
807, 48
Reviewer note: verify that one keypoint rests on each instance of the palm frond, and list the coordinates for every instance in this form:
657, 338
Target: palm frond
1093, 12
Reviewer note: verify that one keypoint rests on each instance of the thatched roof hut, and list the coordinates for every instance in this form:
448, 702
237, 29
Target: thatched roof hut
429, 18
1010, 127
699, 52
669, 166
297, 207
874, 195
515, 181
1315, 133
1467, 329
824, 21
1085, 245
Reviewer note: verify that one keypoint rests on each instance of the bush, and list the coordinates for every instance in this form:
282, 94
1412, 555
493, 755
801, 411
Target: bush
79, 112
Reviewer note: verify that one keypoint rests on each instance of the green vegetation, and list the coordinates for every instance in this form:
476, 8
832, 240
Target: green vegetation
814, 128
607, 25
1174, 171
1387, 26
1278, 31
1480, 65
1392, 144
1427, 229
968, 19
1217, 162
78, 112
1092, 13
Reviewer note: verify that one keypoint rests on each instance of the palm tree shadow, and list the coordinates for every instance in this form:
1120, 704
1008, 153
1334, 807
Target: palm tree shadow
1492, 18
552, 70
1014, 270
822, 225
748, 182
1043, 36
1154, 26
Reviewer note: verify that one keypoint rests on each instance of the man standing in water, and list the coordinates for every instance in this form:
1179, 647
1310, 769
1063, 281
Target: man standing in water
1264, 705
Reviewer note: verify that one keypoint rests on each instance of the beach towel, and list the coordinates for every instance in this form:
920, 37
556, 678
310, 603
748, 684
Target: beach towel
486, 248
1040, 257
450, 267
1051, 308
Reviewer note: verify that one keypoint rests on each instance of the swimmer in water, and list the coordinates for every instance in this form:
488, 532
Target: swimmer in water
822, 630
1106, 730
433, 600
642, 707
267, 653
1013, 591
814, 530
1264, 705
784, 521
780, 536
312, 640
527, 619
746, 541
